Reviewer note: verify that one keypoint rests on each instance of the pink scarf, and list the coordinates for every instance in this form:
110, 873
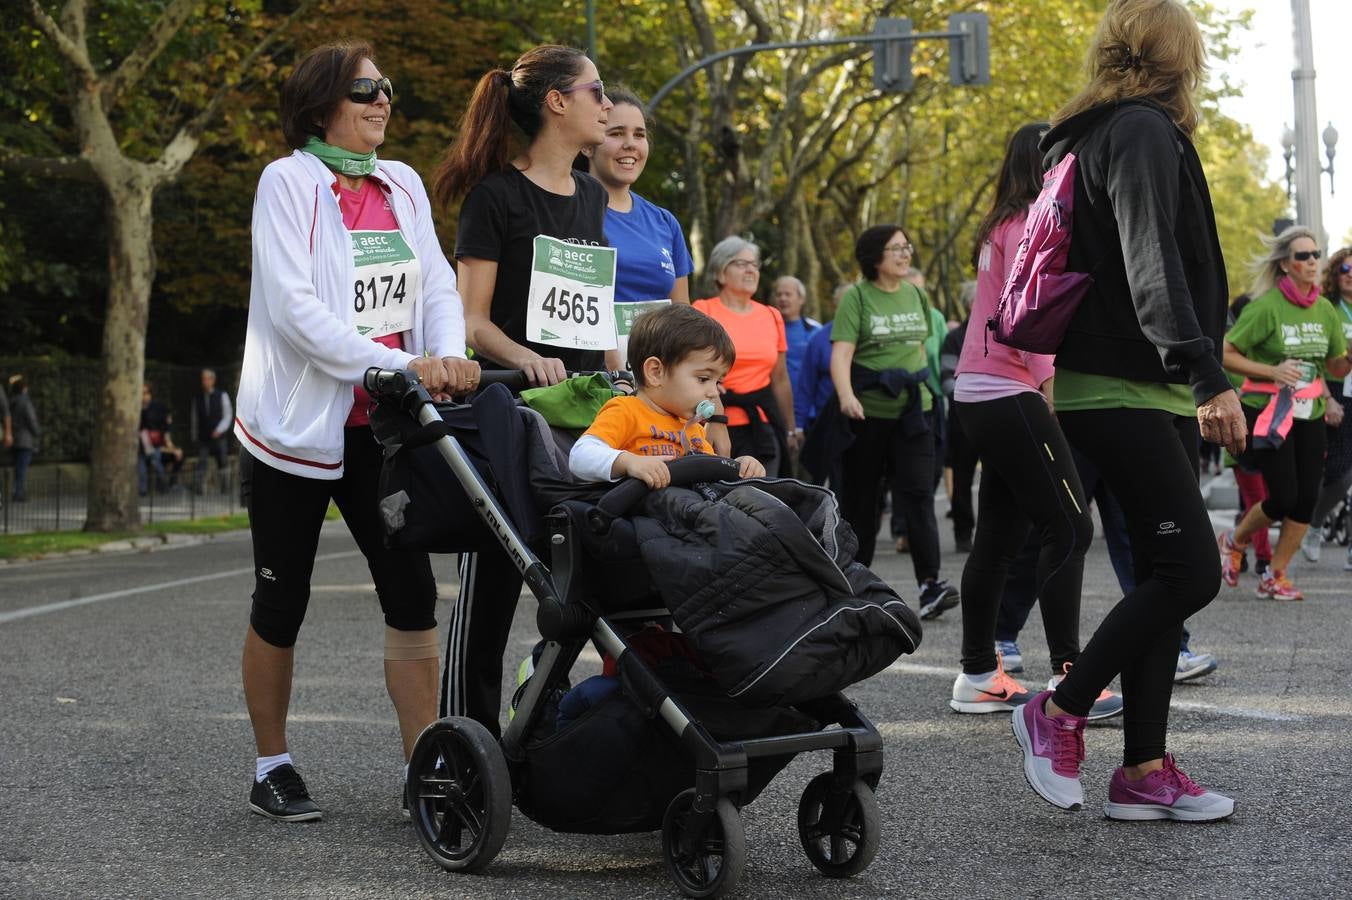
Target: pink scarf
1292, 293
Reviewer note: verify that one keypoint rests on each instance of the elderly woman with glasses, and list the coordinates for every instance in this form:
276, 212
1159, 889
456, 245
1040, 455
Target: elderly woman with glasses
880, 370
347, 274
758, 397
1285, 343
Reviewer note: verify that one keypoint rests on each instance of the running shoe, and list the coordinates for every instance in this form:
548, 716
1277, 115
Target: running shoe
1012, 657
1106, 706
1193, 665
935, 597
1276, 586
1166, 793
998, 693
1312, 544
282, 795
1053, 749
1232, 557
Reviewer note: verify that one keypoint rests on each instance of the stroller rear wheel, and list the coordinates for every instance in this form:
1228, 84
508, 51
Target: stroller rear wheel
839, 831
707, 865
459, 794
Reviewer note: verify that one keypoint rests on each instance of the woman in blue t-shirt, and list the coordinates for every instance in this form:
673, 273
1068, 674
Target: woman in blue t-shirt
652, 262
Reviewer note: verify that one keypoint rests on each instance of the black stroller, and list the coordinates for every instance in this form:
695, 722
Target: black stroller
668, 749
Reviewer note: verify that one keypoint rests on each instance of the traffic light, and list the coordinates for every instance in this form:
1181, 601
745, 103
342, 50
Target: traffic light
969, 57
892, 58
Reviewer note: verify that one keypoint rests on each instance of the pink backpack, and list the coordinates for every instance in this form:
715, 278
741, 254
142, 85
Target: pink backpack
1040, 296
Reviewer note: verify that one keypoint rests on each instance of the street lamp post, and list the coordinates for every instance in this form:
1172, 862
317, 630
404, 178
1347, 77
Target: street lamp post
1309, 206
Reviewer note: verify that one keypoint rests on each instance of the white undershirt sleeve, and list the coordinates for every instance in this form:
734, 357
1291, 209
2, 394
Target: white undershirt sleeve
591, 459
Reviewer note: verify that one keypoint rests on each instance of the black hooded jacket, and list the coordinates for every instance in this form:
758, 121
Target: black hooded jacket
1144, 229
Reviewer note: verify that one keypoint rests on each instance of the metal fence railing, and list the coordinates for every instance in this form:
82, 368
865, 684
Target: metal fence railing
58, 494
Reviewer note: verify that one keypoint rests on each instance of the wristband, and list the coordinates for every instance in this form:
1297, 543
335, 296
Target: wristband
717, 420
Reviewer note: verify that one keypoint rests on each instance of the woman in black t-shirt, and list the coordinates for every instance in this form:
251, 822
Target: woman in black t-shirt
555, 97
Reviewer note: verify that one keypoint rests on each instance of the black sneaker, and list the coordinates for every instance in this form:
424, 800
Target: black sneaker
935, 597
281, 795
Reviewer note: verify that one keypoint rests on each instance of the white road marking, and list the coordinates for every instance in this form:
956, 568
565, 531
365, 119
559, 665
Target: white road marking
1238, 712
27, 611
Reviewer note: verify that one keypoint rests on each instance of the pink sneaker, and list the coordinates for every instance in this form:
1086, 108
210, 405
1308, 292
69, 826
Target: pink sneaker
1164, 794
1277, 586
1053, 749
1232, 557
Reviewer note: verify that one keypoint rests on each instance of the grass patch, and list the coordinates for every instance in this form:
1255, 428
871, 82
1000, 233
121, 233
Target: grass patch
34, 544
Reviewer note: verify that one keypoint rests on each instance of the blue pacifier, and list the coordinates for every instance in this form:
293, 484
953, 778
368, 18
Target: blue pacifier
705, 410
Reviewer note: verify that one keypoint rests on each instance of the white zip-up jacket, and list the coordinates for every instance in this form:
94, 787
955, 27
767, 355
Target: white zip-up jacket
302, 353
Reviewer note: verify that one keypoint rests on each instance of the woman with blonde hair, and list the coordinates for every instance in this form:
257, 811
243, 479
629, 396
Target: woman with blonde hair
1284, 343
1138, 374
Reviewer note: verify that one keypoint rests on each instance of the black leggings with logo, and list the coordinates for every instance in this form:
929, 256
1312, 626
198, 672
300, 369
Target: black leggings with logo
1149, 460
1028, 481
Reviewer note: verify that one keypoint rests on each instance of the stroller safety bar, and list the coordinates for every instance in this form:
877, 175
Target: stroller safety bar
684, 471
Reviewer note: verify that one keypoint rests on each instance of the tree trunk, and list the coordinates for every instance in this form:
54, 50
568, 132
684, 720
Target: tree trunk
131, 268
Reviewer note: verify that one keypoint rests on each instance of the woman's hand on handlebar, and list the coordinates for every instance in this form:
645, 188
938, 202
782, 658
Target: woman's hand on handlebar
431, 371
462, 375
750, 467
540, 370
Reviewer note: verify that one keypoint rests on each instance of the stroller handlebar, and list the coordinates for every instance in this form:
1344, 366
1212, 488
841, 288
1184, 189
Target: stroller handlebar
398, 384
684, 471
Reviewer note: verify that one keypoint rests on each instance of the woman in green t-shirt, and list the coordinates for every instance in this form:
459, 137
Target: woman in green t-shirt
878, 337
1284, 344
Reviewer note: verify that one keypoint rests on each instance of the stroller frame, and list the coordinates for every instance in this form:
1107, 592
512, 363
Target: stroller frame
703, 840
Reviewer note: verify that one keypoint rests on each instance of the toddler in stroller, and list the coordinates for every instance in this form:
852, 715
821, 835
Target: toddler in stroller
779, 625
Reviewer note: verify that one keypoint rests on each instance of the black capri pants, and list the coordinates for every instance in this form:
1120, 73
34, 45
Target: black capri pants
286, 513
1294, 471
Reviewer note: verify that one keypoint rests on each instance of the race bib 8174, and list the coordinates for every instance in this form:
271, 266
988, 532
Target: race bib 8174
572, 295
385, 286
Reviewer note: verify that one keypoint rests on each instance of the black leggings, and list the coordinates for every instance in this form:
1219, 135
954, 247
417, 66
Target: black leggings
1294, 471
878, 442
481, 623
1149, 460
1028, 479
286, 513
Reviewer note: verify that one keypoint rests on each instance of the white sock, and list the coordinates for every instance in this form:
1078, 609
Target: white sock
983, 678
265, 764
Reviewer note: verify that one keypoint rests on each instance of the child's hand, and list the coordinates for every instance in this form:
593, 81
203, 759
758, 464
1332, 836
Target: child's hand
652, 472
750, 467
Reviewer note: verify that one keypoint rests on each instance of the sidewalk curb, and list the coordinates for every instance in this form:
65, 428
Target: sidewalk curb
144, 544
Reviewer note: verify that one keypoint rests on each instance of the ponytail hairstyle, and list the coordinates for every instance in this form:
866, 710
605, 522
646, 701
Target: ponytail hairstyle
1144, 50
1019, 184
483, 141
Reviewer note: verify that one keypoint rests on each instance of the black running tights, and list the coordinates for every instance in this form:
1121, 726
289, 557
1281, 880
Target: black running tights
1149, 460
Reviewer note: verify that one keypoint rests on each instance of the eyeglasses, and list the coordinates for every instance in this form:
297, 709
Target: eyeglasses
1345, 269
744, 264
1306, 255
900, 249
597, 87
365, 90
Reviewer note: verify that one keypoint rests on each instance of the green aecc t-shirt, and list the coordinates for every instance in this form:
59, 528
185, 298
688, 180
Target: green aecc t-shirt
1272, 329
888, 330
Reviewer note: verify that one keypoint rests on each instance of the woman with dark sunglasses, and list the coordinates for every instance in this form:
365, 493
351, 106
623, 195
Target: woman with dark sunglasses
347, 274
512, 163
1285, 343
1337, 290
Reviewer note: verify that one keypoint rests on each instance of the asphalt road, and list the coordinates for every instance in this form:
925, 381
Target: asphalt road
126, 756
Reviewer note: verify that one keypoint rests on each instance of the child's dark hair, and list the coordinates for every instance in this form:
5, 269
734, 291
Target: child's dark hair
674, 332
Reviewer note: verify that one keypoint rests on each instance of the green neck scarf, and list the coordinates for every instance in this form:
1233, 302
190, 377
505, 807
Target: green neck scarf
344, 162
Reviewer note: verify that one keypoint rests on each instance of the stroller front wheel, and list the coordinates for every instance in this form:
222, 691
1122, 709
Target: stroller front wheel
459, 794
839, 831
707, 864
